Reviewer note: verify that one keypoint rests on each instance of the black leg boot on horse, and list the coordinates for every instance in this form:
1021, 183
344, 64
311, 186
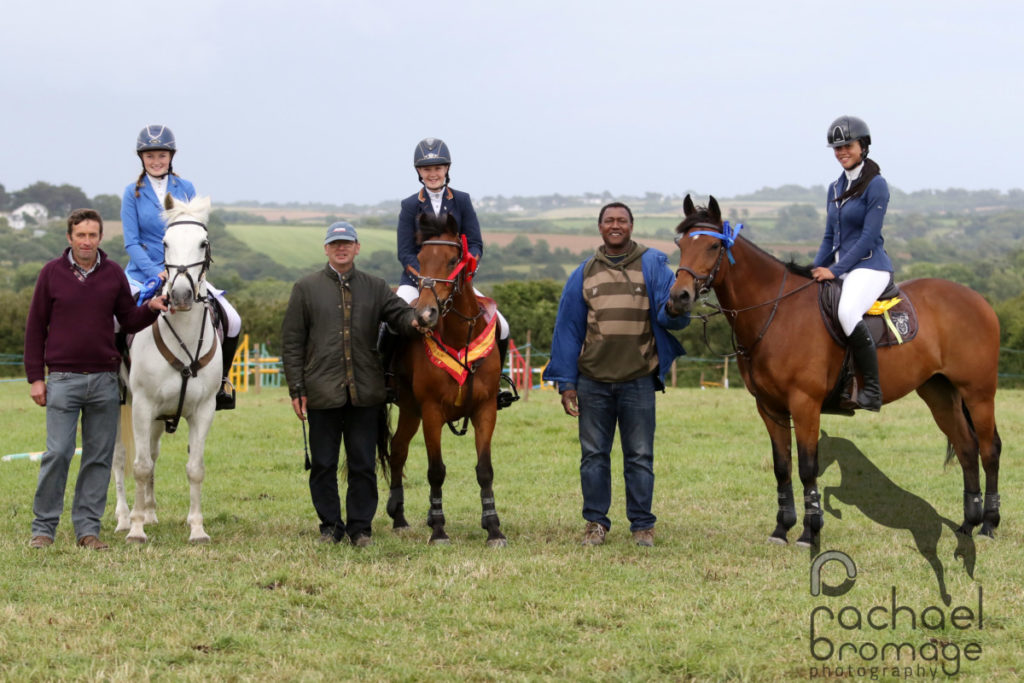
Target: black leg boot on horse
226, 401
506, 397
865, 357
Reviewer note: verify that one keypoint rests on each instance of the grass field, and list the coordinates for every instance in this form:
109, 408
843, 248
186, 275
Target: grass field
294, 245
711, 601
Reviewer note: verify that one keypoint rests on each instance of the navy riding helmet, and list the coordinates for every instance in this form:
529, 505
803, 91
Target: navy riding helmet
155, 137
431, 152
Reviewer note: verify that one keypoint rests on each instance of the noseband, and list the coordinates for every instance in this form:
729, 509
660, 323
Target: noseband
465, 267
704, 282
183, 269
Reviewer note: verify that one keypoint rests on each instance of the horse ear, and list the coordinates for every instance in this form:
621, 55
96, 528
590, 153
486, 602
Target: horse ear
716, 213
451, 223
688, 206
168, 201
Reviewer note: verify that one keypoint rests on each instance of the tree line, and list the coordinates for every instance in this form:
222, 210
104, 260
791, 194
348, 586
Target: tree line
978, 248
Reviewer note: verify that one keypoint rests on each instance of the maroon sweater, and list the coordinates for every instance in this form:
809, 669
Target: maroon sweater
70, 324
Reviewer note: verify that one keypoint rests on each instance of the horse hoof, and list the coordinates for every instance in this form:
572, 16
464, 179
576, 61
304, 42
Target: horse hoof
122, 527
497, 542
400, 525
199, 540
136, 540
444, 540
777, 541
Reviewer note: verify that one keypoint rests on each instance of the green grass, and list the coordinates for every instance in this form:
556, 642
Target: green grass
712, 600
295, 245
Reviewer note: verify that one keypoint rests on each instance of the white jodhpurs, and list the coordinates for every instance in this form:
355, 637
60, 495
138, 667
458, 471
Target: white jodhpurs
861, 288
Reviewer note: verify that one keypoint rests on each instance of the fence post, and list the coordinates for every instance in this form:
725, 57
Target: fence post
527, 368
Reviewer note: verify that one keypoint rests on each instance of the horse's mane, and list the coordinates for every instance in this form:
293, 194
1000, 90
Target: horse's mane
198, 208
431, 226
703, 215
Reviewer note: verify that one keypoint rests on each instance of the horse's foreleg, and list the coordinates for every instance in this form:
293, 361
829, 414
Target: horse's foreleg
148, 492
146, 434
782, 462
407, 426
483, 429
806, 433
198, 428
124, 453
435, 476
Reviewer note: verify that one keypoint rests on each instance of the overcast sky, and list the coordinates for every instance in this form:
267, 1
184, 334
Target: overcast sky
324, 101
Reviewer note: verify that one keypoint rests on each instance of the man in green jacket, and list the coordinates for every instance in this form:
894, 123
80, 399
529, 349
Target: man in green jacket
336, 381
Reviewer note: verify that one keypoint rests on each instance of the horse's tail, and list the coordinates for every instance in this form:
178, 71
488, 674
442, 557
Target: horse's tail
384, 440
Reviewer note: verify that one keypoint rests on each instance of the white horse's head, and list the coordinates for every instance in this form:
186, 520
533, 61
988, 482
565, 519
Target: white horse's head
186, 250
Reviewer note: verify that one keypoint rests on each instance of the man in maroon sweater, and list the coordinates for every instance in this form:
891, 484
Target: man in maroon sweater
70, 330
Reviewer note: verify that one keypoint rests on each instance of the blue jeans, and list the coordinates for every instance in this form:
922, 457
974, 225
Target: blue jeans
359, 428
95, 397
631, 406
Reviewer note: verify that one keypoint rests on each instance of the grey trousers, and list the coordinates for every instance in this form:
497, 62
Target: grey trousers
95, 397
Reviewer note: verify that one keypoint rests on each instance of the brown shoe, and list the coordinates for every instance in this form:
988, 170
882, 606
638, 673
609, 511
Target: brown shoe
362, 541
40, 542
644, 537
328, 537
593, 534
92, 543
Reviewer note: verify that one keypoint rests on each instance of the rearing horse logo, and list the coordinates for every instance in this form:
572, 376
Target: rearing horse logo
851, 573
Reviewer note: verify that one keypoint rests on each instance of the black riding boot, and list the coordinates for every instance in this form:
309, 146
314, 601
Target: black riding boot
865, 357
505, 396
226, 401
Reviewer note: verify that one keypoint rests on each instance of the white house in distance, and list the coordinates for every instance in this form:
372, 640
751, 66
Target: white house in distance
27, 214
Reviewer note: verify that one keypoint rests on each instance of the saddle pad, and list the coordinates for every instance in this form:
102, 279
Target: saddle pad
897, 325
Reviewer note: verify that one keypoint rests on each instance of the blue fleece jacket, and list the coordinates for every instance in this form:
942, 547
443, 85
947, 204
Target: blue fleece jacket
571, 322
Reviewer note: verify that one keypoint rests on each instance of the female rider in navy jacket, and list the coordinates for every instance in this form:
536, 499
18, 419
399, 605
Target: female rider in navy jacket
432, 161
853, 249
143, 228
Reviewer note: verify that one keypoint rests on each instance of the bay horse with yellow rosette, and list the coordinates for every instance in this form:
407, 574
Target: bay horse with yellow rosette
450, 375
791, 364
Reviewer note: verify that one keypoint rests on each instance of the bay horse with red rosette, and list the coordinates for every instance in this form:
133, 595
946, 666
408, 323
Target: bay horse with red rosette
449, 375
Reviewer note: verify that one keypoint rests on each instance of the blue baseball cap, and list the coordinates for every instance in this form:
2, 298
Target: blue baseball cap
341, 230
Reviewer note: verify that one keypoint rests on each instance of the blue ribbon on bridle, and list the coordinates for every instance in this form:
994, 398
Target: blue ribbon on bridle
728, 236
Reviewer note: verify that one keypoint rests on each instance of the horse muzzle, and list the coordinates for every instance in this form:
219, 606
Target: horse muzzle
428, 316
680, 300
182, 298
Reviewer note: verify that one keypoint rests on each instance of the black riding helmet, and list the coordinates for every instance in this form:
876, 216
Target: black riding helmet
847, 129
431, 152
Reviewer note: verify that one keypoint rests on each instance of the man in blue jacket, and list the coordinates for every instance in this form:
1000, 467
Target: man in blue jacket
610, 352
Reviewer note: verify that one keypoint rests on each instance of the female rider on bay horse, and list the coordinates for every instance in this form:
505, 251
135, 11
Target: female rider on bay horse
432, 160
852, 249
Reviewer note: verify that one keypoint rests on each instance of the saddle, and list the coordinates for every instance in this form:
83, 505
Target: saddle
892, 321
